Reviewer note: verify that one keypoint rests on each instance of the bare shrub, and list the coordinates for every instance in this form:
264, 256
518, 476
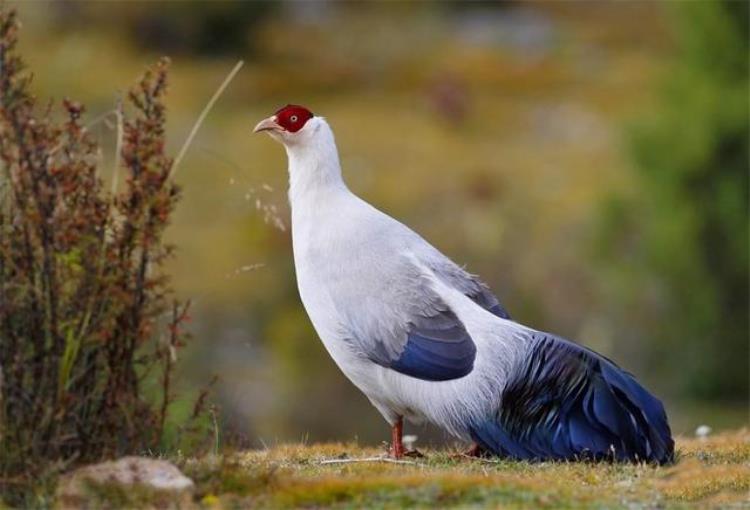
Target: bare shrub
86, 313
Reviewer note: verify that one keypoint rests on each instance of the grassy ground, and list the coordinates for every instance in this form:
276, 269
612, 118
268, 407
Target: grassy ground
714, 472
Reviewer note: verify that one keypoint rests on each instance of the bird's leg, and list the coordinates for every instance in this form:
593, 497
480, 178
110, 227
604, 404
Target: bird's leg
474, 451
397, 432
397, 444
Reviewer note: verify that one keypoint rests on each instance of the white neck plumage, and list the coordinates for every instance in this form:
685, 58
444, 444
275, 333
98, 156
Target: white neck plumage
313, 163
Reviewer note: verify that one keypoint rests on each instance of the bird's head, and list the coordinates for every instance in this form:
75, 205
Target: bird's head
310, 147
290, 125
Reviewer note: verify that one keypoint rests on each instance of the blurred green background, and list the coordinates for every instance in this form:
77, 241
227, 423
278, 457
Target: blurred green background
588, 159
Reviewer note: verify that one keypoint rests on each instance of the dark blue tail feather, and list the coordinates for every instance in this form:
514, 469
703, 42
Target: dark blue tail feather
568, 402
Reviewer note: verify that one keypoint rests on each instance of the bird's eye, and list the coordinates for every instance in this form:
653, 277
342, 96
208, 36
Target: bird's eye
293, 118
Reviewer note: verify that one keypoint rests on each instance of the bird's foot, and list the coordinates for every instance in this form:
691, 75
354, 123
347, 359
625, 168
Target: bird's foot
398, 440
400, 453
474, 452
396, 451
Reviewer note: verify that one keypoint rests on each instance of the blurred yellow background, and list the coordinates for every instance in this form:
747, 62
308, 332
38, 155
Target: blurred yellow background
501, 132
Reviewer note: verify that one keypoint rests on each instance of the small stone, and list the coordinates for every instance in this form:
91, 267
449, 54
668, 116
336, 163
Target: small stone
409, 440
129, 482
703, 431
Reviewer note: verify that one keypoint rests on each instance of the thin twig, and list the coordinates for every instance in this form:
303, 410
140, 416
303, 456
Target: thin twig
368, 459
216, 430
202, 116
482, 460
118, 147
85, 129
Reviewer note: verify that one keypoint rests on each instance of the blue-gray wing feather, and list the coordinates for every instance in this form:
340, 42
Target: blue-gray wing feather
428, 341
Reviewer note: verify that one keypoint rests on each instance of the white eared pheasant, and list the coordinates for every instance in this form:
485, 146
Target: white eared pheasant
427, 341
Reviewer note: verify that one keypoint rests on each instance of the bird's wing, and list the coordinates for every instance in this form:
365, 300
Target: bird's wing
389, 310
404, 325
468, 284
565, 401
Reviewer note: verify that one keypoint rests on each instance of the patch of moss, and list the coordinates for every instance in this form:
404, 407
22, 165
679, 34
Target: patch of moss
228, 475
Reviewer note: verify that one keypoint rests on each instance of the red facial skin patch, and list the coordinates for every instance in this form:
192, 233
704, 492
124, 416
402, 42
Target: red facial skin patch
293, 117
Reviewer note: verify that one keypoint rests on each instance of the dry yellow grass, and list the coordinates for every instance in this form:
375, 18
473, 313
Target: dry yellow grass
712, 473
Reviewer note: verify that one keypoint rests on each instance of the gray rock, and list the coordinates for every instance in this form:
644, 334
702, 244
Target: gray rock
129, 482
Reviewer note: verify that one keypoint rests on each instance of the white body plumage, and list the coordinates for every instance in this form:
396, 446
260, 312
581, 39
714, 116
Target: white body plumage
351, 259
427, 341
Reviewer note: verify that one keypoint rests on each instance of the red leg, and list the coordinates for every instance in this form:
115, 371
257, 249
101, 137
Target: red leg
397, 432
474, 451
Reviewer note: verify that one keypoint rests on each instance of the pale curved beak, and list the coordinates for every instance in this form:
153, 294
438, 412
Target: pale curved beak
268, 124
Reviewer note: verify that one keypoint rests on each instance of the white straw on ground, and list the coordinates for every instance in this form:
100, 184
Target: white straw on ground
367, 459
